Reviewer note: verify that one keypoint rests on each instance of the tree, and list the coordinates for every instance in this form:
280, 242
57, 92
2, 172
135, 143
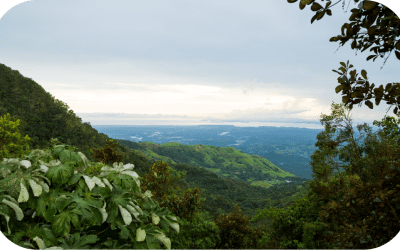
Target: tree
11, 143
366, 185
371, 11
386, 30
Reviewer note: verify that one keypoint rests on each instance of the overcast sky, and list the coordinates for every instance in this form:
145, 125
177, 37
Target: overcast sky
174, 62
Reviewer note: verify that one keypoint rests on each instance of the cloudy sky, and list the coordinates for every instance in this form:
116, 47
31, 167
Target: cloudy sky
127, 62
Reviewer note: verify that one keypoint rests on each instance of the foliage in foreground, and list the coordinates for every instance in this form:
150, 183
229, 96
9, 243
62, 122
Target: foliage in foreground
50, 201
364, 214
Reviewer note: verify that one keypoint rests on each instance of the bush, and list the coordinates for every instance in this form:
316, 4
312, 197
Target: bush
47, 200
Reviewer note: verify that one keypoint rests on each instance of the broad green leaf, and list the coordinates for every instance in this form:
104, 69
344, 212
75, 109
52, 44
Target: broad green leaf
140, 234
89, 182
18, 211
62, 223
136, 207
174, 225
133, 211
108, 184
155, 218
103, 212
98, 181
44, 185
126, 216
24, 195
39, 242
165, 240
84, 159
315, 6
36, 188
60, 174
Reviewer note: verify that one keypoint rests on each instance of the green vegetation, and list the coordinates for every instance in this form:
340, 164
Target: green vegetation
56, 204
52, 196
226, 162
209, 208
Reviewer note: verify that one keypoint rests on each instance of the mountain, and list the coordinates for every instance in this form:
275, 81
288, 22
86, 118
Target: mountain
43, 117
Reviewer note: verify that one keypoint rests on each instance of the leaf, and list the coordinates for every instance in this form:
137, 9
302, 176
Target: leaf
315, 6
313, 19
343, 64
133, 211
62, 223
103, 212
89, 182
306, 2
369, 5
345, 99
320, 15
60, 174
369, 104
36, 188
24, 195
7, 220
126, 216
301, 5
398, 45
44, 185
165, 240
17, 209
140, 234
39, 242
75, 241
174, 225
397, 54
155, 218
369, 57
339, 88
364, 74
47, 200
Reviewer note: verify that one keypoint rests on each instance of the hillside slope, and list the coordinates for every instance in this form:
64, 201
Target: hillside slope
226, 162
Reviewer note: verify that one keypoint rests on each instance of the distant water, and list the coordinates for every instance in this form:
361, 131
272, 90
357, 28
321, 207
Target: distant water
155, 123
239, 137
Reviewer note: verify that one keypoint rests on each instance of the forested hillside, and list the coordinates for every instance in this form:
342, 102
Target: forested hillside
299, 214
226, 162
43, 117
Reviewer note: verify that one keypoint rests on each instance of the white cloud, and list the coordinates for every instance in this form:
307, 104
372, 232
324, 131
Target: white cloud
224, 60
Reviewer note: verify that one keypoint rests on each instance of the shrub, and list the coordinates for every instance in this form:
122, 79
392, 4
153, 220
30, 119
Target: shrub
47, 200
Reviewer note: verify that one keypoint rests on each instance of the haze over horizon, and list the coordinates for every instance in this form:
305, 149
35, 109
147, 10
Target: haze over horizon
249, 63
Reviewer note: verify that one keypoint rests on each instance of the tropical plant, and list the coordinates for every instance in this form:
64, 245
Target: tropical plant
48, 201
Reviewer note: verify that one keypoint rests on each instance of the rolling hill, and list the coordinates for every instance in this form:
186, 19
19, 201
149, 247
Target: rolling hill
225, 162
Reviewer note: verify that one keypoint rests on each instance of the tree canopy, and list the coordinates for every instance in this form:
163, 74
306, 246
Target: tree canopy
381, 29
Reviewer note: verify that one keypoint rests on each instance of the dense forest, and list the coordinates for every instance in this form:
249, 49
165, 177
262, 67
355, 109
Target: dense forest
279, 215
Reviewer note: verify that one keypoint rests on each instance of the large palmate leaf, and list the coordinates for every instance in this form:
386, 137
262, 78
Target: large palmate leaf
76, 241
62, 222
47, 204
61, 173
121, 175
84, 202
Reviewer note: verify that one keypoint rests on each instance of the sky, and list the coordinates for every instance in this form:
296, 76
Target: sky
246, 63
